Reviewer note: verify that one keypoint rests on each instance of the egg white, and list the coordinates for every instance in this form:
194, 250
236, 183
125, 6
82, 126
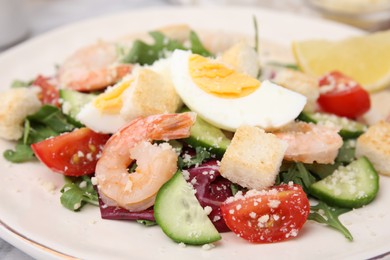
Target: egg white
270, 106
99, 121
103, 122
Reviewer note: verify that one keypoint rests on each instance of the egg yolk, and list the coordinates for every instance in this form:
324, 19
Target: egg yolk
111, 102
219, 80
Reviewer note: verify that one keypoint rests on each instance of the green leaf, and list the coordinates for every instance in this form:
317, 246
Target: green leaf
298, 174
49, 121
284, 65
143, 53
22, 153
347, 152
201, 155
52, 117
197, 46
21, 84
77, 192
147, 223
322, 170
322, 213
257, 47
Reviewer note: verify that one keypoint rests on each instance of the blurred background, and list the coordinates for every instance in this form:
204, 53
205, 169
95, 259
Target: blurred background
21, 20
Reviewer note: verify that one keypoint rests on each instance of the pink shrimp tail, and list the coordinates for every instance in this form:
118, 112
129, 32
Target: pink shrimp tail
170, 126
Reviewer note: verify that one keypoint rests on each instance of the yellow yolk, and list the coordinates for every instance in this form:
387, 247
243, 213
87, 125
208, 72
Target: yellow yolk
219, 80
111, 101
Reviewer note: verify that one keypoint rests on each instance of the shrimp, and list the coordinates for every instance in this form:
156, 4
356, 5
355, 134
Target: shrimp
156, 164
92, 67
310, 143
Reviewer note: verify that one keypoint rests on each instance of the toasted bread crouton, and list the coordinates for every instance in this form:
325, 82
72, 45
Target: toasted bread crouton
149, 94
178, 32
302, 83
375, 145
15, 105
253, 158
243, 58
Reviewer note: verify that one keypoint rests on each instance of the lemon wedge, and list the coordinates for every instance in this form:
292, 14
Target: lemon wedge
365, 59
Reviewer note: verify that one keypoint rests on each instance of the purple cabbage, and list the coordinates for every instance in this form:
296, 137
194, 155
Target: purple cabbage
118, 213
211, 190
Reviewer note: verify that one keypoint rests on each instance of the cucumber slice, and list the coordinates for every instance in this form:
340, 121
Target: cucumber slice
351, 186
73, 101
206, 135
179, 214
349, 128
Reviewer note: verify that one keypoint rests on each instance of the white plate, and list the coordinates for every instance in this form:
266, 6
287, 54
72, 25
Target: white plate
33, 219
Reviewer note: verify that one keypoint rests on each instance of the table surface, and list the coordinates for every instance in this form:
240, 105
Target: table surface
45, 15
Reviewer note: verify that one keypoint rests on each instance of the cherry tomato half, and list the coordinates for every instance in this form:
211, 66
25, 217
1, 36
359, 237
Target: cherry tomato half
73, 154
49, 93
342, 96
272, 215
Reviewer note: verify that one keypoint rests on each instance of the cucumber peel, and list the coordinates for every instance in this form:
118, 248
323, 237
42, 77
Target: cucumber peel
179, 214
349, 128
204, 134
351, 186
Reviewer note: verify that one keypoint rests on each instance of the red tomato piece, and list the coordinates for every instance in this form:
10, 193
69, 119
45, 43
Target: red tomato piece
342, 96
72, 154
267, 216
49, 93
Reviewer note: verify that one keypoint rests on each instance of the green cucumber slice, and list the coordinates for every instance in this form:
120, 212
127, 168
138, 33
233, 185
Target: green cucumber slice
206, 135
180, 216
351, 186
349, 128
72, 102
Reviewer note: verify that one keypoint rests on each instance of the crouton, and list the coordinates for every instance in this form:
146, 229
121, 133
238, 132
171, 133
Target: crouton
302, 83
253, 158
243, 58
178, 32
15, 105
149, 94
375, 145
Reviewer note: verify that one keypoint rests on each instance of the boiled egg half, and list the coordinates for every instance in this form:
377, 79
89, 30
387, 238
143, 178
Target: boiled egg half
147, 91
229, 99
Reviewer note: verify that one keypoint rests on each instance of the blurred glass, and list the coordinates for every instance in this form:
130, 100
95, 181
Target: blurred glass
13, 24
371, 15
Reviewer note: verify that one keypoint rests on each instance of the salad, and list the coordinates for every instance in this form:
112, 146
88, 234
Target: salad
172, 134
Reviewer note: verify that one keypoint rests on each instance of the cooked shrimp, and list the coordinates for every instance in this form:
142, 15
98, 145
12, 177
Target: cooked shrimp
156, 164
310, 143
92, 67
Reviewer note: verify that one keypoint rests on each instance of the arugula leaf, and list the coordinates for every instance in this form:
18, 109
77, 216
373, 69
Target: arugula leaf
346, 152
21, 84
284, 65
147, 223
201, 155
298, 174
322, 213
22, 153
143, 53
52, 117
49, 121
77, 192
256, 34
197, 46
322, 170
